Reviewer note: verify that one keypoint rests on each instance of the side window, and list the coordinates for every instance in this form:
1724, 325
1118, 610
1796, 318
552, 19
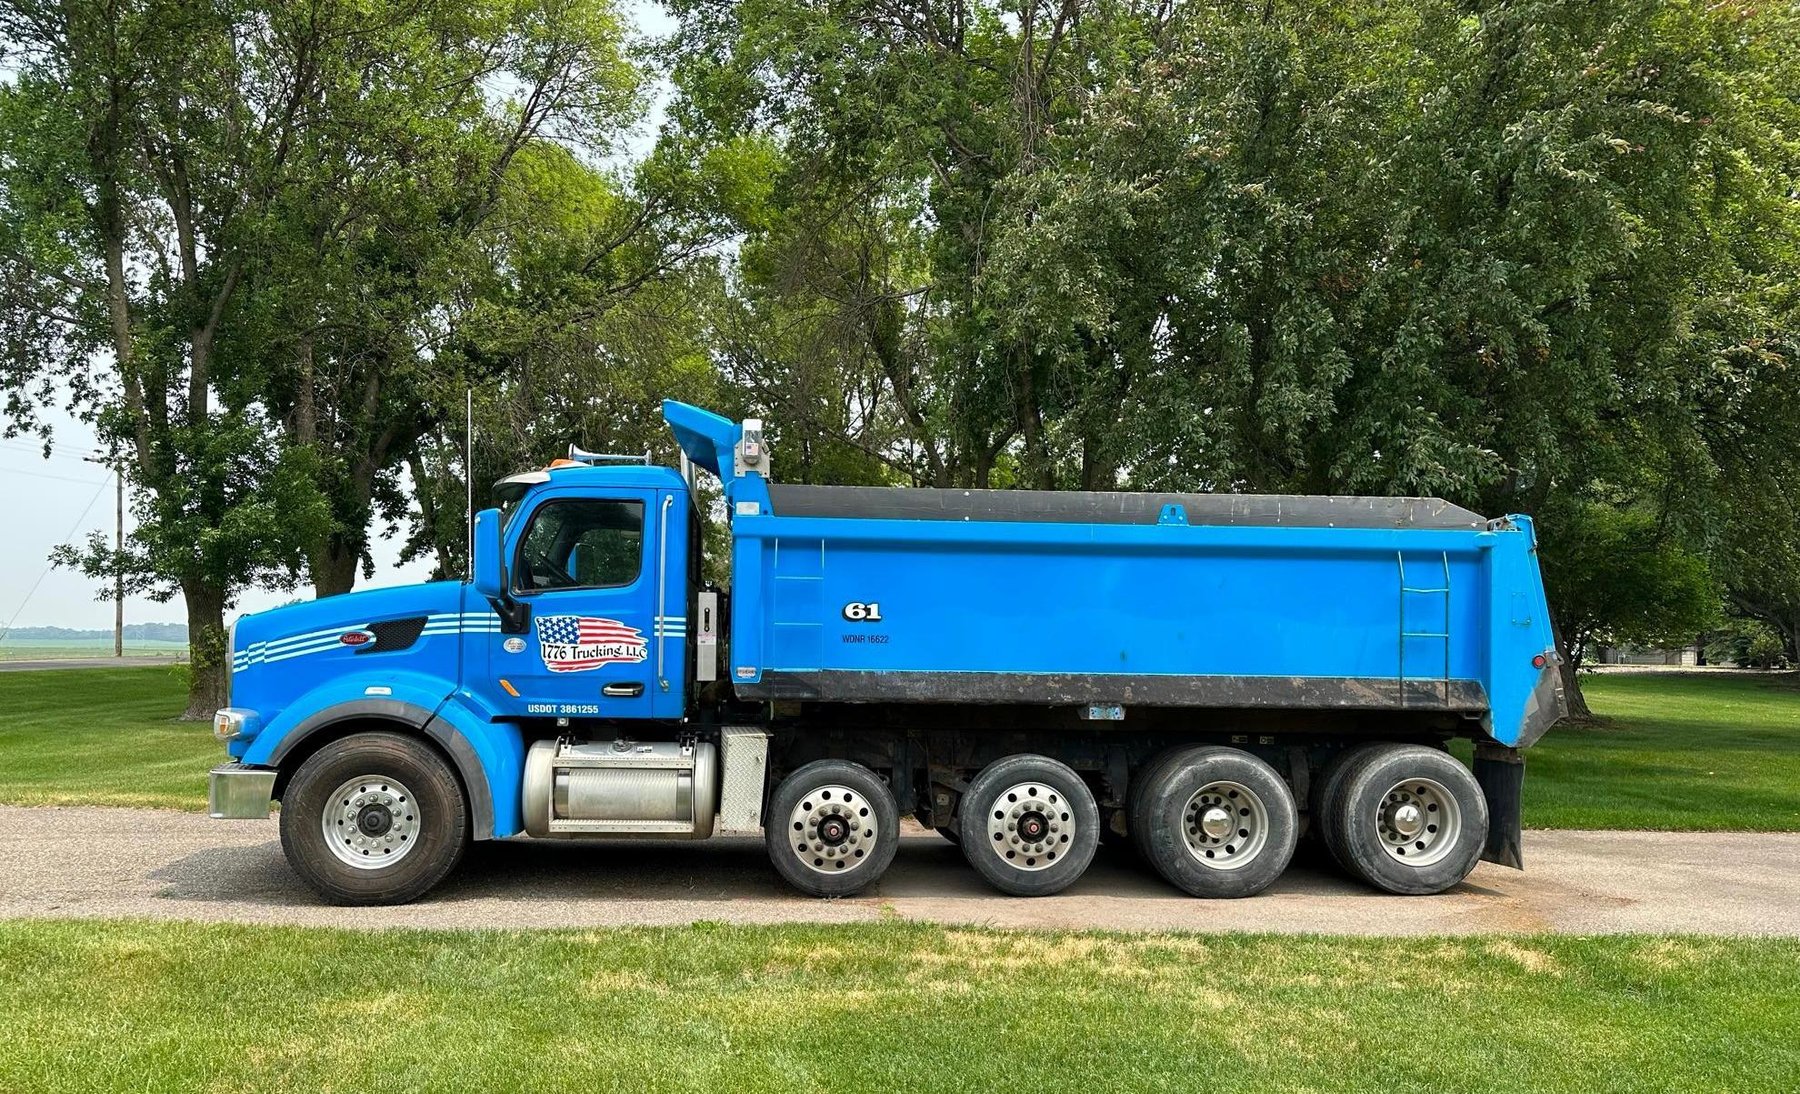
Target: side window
581, 544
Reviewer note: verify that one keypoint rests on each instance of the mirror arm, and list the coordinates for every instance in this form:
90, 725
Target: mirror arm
515, 615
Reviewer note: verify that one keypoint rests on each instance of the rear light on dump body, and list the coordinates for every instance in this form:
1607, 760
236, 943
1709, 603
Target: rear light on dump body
1539, 661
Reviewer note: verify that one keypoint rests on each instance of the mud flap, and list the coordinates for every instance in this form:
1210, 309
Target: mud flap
1501, 773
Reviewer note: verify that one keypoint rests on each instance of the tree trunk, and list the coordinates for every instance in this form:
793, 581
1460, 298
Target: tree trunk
1569, 664
209, 660
333, 566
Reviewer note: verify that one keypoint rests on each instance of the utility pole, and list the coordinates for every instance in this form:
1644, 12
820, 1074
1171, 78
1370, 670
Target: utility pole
111, 460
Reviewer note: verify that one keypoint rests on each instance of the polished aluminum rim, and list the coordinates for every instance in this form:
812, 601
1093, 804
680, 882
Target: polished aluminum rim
1030, 826
1419, 821
833, 829
371, 822
1226, 825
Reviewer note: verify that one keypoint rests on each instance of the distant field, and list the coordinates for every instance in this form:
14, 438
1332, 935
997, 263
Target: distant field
181, 1007
39, 649
1675, 751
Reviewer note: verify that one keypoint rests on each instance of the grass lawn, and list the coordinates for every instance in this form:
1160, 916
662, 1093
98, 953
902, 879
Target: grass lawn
184, 1007
1683, 752
102, 737
1674, 751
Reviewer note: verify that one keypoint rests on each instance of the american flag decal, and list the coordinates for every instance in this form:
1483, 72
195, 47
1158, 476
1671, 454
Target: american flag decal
576, 643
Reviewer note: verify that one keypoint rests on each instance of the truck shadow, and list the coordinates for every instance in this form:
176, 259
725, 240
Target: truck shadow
717, 870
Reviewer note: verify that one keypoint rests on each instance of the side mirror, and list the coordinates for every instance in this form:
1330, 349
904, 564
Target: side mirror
490, 567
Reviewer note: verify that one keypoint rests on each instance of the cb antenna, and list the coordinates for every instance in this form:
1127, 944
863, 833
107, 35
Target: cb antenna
469, 476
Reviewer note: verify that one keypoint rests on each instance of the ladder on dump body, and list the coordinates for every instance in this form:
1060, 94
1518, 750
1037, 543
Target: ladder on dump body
1412, 633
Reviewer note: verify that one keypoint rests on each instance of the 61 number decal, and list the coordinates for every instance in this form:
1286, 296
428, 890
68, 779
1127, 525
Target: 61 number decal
858, 611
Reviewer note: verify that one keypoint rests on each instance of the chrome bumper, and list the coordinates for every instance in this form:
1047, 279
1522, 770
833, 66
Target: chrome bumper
237, 792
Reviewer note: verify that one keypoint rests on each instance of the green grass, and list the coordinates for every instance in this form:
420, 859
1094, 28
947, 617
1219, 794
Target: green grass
1685, 752
183, 1007
1680, 752
102, 737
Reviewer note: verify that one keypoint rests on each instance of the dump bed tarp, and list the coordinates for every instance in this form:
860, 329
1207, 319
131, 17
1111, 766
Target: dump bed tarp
1115, 507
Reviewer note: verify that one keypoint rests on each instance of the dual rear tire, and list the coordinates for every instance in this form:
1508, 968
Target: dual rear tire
1215, 822
1407, 819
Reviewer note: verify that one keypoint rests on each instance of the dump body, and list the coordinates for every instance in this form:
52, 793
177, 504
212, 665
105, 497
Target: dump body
1165, 600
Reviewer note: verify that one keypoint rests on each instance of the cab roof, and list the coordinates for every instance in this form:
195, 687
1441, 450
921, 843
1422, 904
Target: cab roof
598, 477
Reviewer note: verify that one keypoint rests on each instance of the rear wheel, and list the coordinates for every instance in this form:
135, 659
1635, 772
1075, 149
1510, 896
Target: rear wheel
833, 828
375, 818
1409, 819
1029, 825
1218, 822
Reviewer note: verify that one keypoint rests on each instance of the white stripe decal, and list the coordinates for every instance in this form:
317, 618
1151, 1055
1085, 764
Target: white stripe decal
438, 625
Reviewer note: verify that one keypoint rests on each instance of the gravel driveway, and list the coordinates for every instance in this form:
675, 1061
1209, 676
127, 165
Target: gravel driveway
87, 862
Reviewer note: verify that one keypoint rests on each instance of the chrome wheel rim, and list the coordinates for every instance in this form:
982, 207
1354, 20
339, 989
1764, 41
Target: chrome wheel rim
1226, 825
1030, 826
833, 829
371, 822
1419, 821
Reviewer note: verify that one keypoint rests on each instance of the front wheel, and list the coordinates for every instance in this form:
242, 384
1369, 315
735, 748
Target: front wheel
1029, 825
833, 828
375, 818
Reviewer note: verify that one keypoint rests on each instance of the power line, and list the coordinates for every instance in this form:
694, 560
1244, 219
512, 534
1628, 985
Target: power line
4, 631
57, 452
45, 475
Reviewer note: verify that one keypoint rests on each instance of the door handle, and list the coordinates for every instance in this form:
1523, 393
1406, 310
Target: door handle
622, 691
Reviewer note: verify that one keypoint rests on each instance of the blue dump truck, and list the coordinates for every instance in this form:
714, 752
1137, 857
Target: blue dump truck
1201, 678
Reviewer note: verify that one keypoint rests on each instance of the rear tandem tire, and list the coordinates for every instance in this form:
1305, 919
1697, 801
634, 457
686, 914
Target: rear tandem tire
1326, 789
832, 828
1029, 825
397, 815
1218, 822
1409, 819
1135, 825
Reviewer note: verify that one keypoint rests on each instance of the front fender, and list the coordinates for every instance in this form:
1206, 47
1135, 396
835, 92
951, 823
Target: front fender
489, 757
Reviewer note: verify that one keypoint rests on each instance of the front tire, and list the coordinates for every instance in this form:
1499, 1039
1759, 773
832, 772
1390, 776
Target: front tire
1029, 825
374, 818
1409, 820
1218, 822
833, 828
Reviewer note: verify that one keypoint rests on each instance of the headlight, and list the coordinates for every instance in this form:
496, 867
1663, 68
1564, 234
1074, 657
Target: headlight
234, 722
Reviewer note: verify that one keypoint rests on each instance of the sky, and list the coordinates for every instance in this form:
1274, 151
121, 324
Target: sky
61, 499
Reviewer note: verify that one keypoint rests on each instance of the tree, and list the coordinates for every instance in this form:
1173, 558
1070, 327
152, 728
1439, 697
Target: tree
395, 237
235, 237
142, 145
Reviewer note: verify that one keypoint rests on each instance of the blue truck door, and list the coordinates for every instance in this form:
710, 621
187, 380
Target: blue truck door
586, 566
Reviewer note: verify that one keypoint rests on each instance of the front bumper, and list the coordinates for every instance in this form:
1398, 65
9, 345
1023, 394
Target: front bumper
239, 792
